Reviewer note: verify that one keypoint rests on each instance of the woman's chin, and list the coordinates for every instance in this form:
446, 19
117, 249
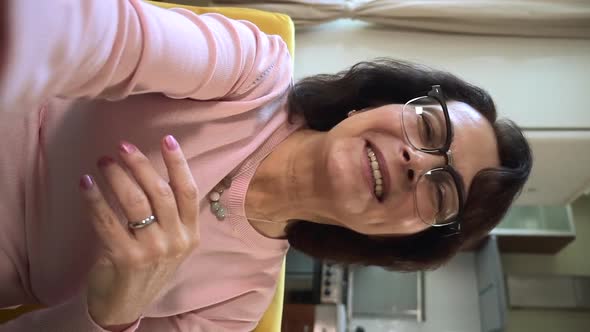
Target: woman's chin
350, 203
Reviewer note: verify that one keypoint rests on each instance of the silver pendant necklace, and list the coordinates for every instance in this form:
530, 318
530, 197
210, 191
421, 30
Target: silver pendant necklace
221, 211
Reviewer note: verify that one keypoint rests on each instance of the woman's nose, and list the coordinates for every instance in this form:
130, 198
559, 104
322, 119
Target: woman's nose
416, 163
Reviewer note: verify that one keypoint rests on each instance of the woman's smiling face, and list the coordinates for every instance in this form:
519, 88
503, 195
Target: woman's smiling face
345, 183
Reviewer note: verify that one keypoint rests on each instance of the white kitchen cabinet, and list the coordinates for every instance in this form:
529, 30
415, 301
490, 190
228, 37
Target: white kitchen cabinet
540, 229
561, 168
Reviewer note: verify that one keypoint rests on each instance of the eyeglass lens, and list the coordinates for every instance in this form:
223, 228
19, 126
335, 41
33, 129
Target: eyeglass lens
425, 128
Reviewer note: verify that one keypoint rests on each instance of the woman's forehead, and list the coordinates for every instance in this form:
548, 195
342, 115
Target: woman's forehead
463, 114
474, 143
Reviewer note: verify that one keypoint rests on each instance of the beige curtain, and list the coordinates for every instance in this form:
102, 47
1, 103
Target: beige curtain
303, 12
538, 18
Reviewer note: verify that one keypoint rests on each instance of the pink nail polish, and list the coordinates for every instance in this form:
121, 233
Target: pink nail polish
127, 147
171, 143
105, 161
86, 182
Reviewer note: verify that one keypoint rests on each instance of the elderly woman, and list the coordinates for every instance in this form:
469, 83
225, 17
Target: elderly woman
210, 163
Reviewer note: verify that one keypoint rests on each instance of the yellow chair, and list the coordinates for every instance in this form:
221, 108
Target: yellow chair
272, 24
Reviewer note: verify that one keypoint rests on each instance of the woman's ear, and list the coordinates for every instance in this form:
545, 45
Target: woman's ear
353, 112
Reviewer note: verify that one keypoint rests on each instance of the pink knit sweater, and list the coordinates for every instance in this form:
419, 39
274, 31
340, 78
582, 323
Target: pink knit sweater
81, 75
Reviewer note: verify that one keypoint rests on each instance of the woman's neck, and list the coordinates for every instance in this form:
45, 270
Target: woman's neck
282, 186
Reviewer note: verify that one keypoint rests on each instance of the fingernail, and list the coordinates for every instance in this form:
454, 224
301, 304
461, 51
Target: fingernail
86, 182
105, 161
127, 147
171, 143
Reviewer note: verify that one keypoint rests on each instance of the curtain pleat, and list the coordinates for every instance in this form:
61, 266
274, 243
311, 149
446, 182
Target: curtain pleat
535, 18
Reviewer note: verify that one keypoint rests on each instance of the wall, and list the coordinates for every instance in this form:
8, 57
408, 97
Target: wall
451, 302
572, 260
527, 77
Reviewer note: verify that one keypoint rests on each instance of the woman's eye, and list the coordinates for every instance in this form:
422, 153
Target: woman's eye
440, 196
427, 128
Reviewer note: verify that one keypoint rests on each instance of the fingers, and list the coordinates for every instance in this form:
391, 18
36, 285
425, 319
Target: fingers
142, 191
132, 199
105, 222
181, 181
156, 189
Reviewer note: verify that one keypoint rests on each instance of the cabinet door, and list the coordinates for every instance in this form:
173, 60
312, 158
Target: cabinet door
560, 169
535, 229
298, 318
491, 288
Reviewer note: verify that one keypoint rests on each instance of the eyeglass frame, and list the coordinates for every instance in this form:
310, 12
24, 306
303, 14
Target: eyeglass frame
453, 225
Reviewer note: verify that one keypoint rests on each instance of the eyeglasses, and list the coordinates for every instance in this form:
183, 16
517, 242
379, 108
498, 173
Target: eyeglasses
439, 192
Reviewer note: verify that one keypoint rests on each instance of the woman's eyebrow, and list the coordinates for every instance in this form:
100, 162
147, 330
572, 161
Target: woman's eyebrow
451, 163
461, 180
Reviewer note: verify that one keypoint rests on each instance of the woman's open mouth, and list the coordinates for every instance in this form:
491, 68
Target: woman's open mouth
375, 168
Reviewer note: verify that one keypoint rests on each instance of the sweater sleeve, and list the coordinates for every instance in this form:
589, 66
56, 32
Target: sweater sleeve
73, 316
113, 48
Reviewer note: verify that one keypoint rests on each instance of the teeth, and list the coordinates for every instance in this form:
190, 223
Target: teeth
377, 176
374, 165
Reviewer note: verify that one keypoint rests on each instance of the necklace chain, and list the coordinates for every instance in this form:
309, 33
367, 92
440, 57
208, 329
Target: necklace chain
221, 211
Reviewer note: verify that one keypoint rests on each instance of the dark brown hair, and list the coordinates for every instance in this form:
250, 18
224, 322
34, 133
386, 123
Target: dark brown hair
325, 100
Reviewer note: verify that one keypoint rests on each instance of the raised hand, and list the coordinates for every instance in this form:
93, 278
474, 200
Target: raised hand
136, 262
